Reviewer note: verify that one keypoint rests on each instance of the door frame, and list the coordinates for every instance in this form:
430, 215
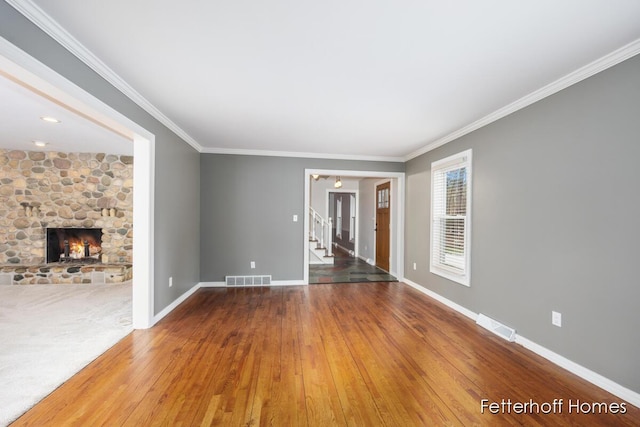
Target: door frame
397, 178
357, 222
29, 71
392, 202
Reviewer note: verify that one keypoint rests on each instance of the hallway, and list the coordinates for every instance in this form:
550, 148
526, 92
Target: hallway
347, 269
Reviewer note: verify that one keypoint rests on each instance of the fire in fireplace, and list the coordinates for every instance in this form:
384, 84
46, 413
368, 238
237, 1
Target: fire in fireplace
74, 245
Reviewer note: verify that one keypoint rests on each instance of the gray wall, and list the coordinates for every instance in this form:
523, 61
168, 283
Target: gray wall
247, 207
177, 165
556, 208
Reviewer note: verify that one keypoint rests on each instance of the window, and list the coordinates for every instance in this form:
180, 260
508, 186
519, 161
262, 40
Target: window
451, 217
383, 198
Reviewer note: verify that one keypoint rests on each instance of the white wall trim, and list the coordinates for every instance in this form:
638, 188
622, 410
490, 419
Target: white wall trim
46, 23
305, 225
212, 284
584, 373
40, 18
143, 239
356, 240
457, 307
168, 309
367, 260
570, 79
288, 282
579, 370
182, 298
303, 155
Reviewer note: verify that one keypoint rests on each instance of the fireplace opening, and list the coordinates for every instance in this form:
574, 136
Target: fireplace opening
74, 245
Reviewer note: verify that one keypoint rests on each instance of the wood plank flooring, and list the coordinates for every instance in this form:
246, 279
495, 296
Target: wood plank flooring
348, 354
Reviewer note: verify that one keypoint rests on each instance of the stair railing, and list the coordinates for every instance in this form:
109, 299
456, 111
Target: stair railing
321, 231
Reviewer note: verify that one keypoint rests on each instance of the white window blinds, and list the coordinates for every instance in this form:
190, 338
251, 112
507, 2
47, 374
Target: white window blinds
451, 217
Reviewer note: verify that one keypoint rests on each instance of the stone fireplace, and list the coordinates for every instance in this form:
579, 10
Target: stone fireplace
47, 198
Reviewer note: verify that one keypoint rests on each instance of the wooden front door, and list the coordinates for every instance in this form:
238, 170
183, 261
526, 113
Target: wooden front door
383, 218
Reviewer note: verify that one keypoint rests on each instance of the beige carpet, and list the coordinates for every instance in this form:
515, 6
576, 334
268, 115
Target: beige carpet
50, 332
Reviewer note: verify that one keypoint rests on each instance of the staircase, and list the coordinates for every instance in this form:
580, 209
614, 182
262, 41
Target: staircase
320, 239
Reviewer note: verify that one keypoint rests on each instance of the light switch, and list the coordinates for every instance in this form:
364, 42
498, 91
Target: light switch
295, 218
556, 319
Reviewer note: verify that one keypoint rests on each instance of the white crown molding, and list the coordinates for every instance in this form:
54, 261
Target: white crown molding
47, 24
570, 79
35, 14
270, 153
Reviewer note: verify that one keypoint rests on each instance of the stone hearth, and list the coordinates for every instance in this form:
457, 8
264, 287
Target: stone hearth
40, 190
66, 273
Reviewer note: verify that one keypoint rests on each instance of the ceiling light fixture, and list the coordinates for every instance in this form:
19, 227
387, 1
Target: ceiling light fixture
338, 183
50, 119
315, 177
40, 143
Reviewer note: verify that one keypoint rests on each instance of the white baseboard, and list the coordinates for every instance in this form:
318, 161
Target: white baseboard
349, 251
367, 260
579, 370
191, 291
212, 285
168, 309
457, 307
288, 283
584, 373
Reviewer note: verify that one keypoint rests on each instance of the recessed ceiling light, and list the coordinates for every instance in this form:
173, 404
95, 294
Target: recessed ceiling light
40, 143
50, 119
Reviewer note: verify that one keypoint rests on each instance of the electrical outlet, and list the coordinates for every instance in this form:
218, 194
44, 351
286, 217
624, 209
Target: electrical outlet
556, 319
253, 264
170, 281
415, 266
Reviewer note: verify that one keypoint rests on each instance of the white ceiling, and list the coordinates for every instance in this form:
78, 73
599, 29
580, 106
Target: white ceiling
20, 123
340, 77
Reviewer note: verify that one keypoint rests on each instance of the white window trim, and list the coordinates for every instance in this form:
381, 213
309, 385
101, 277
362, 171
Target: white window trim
461, 159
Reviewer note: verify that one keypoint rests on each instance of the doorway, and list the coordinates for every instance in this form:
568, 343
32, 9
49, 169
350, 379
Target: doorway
29, 72
343, 212
366, 216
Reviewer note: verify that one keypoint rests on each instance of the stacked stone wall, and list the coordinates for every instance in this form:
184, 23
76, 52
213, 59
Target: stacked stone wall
40, 190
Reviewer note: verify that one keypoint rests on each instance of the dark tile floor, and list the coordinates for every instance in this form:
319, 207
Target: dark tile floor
347, 269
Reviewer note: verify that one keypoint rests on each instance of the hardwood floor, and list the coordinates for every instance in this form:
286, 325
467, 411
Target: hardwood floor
349, 354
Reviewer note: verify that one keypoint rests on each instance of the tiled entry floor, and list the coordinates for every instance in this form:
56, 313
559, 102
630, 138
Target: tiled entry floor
347, 269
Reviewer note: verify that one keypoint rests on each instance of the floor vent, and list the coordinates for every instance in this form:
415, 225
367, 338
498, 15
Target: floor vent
247, 280
497, 328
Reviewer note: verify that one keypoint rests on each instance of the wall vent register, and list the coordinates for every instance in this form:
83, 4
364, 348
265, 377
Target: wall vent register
247, 280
